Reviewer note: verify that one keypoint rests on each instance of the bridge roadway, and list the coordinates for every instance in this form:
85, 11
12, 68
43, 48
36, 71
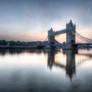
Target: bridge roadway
84, 45
79, 45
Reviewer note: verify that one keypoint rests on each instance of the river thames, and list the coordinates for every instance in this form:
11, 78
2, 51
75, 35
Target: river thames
45, 71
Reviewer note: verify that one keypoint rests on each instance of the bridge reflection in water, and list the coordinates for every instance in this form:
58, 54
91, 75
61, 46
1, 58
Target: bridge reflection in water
70, 61
70, 66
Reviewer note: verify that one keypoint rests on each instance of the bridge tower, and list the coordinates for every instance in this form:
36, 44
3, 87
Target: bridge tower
70, 35
51, 37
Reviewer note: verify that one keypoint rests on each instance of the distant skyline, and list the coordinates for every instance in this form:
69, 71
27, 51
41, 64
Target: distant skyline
29, 20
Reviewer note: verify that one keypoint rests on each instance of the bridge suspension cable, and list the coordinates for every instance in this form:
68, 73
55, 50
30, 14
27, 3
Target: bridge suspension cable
82, 37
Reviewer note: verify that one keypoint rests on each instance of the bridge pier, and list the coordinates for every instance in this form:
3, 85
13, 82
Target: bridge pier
70, 35
51, 38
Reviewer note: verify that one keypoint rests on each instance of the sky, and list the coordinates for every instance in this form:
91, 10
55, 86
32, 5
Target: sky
30, 20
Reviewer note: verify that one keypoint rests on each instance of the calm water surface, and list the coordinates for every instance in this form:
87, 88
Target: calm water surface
46, 71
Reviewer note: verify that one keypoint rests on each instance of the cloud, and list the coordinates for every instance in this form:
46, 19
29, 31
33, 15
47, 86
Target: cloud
37, 16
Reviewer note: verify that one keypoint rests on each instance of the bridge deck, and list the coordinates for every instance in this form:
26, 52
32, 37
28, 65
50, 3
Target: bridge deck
83, 43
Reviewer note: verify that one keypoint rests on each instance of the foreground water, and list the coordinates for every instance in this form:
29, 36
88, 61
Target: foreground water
46, 71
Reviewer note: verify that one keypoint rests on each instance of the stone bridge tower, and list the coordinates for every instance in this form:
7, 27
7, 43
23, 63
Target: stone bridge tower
51, 37
70, 35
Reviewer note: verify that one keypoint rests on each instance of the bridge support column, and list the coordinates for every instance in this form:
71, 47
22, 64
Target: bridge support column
51, 37
70, 35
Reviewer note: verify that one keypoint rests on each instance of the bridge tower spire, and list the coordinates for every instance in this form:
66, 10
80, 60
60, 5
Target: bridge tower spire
70, 34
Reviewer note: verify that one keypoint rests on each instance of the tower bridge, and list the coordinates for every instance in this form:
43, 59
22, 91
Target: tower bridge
71, 34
